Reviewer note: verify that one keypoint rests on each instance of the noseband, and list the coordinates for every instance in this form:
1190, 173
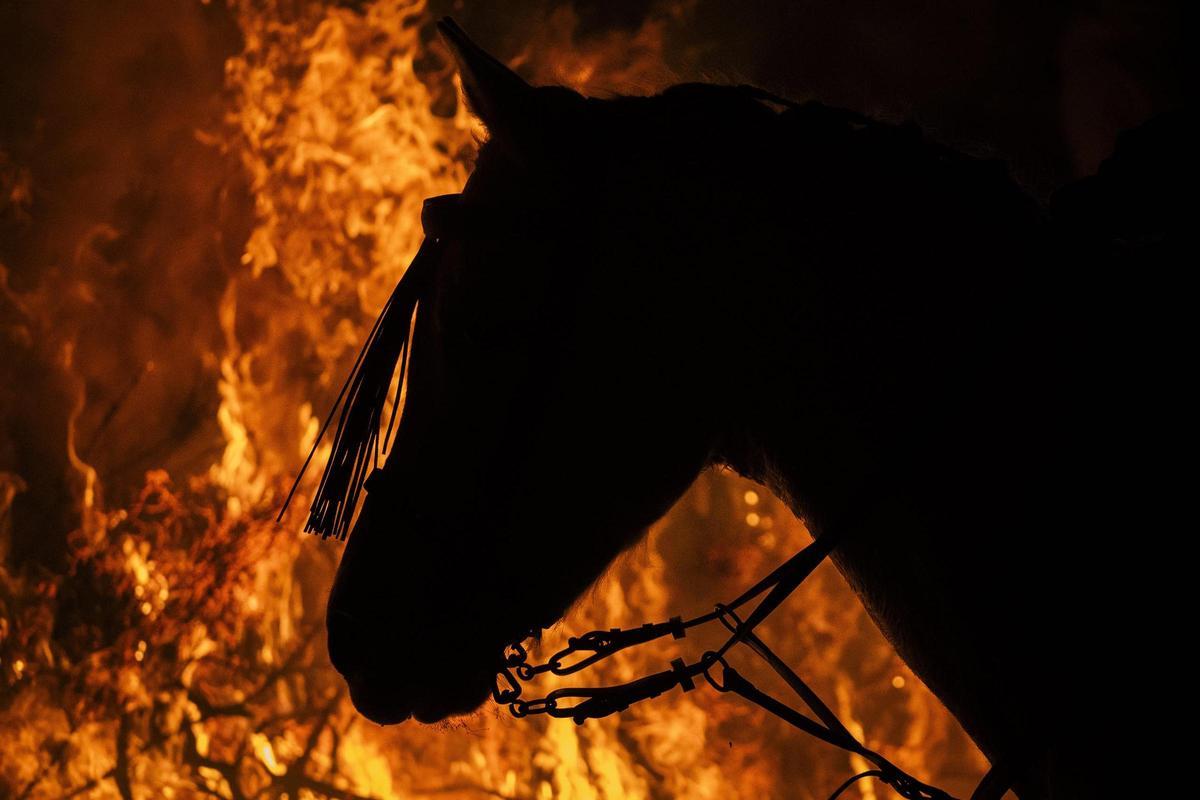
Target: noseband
355, 459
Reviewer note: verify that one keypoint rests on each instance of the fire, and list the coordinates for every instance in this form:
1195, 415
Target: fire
180, 652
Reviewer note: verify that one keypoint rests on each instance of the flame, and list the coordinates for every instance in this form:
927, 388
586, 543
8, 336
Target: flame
181, 654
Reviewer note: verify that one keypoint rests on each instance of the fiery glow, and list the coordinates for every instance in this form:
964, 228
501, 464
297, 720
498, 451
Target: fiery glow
182, 654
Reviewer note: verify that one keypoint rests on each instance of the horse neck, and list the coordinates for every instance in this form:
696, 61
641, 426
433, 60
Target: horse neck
787, 427
854, 264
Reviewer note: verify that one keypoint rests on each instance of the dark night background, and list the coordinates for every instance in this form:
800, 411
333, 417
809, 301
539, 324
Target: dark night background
1045, 85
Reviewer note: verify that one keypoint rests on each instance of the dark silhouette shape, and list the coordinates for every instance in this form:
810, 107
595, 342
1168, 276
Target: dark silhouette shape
878, 328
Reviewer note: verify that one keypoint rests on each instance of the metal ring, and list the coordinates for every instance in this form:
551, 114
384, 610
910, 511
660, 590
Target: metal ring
541, 705
724, 611
713, 658
515, 654
510, 694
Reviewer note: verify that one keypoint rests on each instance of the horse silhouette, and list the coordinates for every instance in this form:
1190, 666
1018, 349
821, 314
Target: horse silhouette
890, 335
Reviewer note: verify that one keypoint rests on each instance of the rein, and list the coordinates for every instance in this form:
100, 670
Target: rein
594, 703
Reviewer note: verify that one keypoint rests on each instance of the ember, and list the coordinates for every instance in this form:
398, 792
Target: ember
172, 643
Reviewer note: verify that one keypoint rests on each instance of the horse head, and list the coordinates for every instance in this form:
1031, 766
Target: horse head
559, 394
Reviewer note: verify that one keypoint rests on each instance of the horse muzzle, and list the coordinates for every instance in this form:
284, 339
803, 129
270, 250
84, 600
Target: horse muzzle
391, 681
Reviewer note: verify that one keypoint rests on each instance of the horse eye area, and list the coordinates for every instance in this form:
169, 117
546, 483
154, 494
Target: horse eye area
490, 311
391, 680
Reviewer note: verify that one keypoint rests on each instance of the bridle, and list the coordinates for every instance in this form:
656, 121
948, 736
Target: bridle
594, 703
354, 461
597, 702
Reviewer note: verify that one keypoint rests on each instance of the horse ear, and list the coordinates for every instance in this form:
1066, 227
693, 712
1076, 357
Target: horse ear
495, 93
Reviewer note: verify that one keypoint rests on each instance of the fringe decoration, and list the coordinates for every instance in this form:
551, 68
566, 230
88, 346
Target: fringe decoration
356, 442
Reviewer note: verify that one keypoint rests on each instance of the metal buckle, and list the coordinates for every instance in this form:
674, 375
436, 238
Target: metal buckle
442, 217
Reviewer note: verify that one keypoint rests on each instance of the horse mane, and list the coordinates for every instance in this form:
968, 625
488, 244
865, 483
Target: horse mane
801, 125
748, 139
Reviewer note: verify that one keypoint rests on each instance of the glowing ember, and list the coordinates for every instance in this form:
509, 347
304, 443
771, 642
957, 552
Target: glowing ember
181, 653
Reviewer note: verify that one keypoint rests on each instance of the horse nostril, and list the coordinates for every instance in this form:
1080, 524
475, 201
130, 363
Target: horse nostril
387, 685
355, 653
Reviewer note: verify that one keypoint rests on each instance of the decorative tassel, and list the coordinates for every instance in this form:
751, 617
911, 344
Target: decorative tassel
356, 442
